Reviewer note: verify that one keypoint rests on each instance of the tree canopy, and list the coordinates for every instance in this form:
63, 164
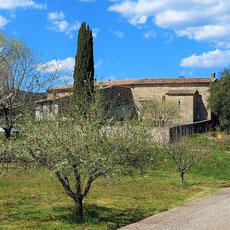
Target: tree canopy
219, 100
157, 112
81, 148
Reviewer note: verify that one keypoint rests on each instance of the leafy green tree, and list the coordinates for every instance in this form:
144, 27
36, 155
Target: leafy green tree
84, 64
80, 148
219, 100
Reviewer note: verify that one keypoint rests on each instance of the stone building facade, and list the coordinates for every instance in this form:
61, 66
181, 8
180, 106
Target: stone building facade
191, 94
120, 99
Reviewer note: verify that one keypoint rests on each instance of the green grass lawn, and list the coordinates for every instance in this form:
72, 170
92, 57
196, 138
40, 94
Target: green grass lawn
32, 200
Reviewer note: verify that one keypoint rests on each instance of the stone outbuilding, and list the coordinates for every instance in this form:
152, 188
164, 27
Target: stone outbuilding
120, 100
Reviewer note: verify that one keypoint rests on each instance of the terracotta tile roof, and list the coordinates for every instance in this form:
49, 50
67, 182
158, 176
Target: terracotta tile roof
143, 81
156, 81
181, 92
51, 99
61, 88
112, 88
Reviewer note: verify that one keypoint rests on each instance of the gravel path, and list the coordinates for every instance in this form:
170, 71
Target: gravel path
211, 212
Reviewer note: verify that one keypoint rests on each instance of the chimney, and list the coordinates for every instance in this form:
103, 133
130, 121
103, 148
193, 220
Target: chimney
213, 76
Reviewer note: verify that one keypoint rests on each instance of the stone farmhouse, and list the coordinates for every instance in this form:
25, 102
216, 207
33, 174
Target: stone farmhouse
191, 94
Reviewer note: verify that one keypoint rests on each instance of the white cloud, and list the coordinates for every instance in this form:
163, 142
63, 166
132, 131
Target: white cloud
138, 20
216, 58
65, 65
59, 24
55, 16
150, 34
72, 28
169, 37
95, 32
118, 34
207, 20
13, 4
98, 64
216, 33
3, 22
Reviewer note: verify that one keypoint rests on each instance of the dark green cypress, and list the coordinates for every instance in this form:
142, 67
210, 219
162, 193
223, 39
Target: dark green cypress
84, 64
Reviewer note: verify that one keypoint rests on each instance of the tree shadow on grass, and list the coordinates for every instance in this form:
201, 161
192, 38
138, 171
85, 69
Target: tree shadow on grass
111, 217
102, 217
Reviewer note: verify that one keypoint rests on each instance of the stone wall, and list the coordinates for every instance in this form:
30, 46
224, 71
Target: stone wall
128, 93
172, 134
46, 111
186, 104
159, 134
146, 92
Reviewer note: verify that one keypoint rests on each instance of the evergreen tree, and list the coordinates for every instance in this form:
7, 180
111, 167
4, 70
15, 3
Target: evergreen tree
84, 64
219, 101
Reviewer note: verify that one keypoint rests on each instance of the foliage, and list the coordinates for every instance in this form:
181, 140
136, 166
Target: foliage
80, 148
219, 100
184, 155
207, 141
158, 112
22, 76
84, 63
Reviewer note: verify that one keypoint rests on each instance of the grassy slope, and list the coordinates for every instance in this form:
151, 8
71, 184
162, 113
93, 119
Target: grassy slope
32, 200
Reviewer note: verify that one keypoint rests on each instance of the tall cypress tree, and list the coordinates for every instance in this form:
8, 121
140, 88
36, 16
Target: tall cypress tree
84, 64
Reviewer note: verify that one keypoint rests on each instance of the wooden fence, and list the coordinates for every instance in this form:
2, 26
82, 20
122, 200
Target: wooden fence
176, 132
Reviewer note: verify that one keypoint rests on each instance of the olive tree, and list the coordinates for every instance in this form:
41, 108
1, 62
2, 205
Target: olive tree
158, 112
185, 155
22, 79
79, 148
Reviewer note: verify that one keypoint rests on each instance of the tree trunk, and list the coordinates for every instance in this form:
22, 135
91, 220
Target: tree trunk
182, 177
78, 210
8, 122
7, 133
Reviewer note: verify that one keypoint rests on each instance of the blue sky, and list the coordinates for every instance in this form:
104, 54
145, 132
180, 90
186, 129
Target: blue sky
132, 38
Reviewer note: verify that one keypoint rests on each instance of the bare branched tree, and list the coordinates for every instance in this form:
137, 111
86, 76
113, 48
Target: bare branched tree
158, 112
185, 156
22, 77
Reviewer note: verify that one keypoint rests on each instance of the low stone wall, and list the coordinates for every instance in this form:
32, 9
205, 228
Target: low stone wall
159, 134
176, 132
